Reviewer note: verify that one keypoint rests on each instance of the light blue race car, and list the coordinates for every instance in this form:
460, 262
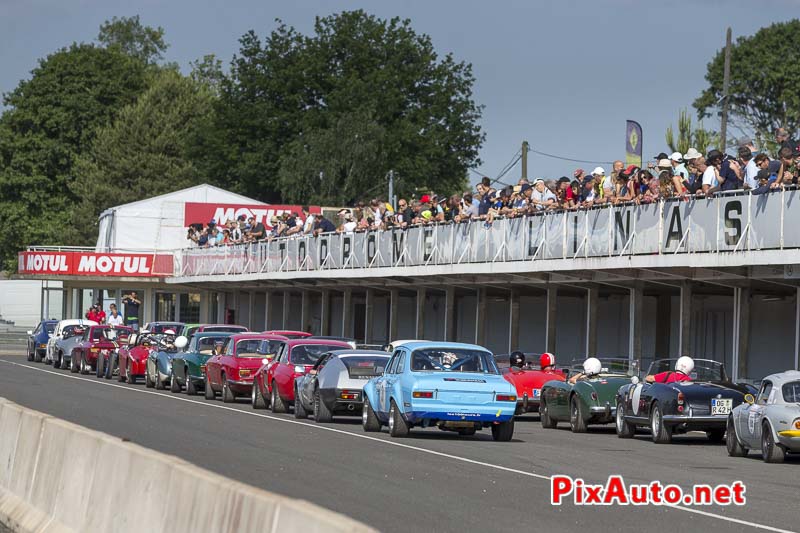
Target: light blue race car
452, 386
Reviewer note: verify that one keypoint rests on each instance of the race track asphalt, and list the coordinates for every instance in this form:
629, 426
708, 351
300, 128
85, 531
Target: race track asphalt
432, 481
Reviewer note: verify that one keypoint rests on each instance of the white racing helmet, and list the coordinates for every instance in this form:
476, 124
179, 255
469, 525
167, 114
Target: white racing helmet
592, 366
684, 365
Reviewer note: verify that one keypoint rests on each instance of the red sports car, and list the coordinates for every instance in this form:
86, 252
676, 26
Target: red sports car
295, 357
289, 334
529, 379
133, 357
231, 373
98, 341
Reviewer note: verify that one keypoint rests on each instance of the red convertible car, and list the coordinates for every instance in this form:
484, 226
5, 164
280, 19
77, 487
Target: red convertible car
293, 358
133, 357
231, 373
528, 381
97, 341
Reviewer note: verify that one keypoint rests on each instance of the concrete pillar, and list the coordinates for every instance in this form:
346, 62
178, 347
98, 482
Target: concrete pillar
591, 322
663, 314
325, 313
369, 309
685, 320
266, 310
394, 300
741, 329
635, 310
251, 301
797, 329
347, 313
305, 311
551, 311
450, 314
513, 321
419, 329
480, 317
287, 304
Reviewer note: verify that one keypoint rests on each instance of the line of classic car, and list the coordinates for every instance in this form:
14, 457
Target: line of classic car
455, 387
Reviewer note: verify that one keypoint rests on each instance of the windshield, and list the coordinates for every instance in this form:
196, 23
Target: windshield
452, 360
704, 369
307, 354
50, 327
68, 331
791, 392
366, 366
248, 348
227, 329
161, 328
110, 334
205, 345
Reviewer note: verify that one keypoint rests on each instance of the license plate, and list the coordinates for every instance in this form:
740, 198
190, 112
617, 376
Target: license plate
537, 393
721, 406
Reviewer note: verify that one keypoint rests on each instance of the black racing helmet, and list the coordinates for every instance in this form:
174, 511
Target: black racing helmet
517, 359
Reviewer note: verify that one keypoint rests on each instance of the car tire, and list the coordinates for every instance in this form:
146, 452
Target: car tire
299, 411
735, 449
398, 427
661, 433
504, 431
322, 414
30, 355
209, 392
120, 377
174, 386
100, 366
227, 394
148, 381
130, 376
577, 423
73, 365
85, 368
276, 402
191, 388
37, 358
625, 430
57, 362
771, 451
715, 435
159, 385
544, 416
256, 398
369, 420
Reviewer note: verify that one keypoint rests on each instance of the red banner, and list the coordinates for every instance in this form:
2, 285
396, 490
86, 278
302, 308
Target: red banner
95, 264
202, 213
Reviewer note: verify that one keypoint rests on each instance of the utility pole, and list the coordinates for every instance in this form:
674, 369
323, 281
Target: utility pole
391, 189
525, 159
726, 75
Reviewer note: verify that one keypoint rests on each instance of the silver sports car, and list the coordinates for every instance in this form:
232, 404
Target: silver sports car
770, 422
335, 384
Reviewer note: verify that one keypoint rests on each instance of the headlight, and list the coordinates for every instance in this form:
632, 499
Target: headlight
300, 369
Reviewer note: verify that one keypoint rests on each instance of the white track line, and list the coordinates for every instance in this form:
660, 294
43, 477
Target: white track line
371, 438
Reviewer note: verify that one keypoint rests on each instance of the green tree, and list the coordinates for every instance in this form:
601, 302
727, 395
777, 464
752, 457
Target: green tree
698, 137
764, 90
132, 38
49, 121
286, 98
144, 152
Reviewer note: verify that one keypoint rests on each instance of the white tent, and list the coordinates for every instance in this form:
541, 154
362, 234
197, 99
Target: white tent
158, 223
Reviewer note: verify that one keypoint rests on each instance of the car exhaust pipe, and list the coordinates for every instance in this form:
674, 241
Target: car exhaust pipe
351, 407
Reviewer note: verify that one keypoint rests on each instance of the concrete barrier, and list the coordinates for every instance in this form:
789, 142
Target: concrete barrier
57, 477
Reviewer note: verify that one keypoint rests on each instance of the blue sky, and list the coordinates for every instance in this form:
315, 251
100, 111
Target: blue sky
563, 75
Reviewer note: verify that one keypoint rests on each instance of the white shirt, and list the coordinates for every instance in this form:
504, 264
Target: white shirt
309, 224
349, 227
710, 177
543, 196
750, 171
112, 320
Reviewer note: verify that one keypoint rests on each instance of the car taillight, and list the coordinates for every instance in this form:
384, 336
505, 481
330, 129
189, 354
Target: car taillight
245, 372
797, 424
348, 395
422, 394
681, 398
506, 398
94, 350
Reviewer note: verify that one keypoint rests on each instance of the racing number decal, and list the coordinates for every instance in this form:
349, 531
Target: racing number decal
751, 422
635, 395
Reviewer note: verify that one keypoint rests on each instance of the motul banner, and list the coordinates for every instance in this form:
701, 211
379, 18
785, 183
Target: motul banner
202, 213
95, 264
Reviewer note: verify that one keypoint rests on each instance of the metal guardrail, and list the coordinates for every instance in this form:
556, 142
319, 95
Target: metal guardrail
728, 222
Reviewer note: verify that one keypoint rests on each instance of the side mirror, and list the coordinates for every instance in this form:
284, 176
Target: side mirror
635, 379
181, 342
30, 332
748, 398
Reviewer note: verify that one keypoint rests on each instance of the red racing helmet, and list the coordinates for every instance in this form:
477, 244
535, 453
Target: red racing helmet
547, 359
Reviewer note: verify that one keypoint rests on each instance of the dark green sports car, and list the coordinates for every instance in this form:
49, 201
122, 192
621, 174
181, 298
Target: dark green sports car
189, 366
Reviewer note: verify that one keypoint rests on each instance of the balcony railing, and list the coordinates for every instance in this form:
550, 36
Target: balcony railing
733, 222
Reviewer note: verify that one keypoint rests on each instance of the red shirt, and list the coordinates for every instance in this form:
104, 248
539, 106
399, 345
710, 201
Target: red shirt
671, 377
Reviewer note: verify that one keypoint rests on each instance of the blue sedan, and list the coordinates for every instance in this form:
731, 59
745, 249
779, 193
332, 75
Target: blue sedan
452, 386
37, 339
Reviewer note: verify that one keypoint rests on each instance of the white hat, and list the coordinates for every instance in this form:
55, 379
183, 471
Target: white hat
676, 156
692, 154
598, 171
664, 163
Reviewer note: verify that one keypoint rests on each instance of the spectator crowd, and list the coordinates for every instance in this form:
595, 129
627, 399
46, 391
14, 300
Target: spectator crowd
667, 176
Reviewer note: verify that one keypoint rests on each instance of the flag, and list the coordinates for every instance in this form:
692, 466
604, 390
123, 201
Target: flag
633, 144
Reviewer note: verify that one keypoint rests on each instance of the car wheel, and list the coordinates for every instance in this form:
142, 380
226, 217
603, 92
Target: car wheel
576, 420
771, 452
227, 393
209, 392
715, 435
299, 410
398, 427
131, 377
30, 354
256, 398
157, 380
57, 361
37, 357
662, 434
735, 449
100, 366
504, 431
544, 416
191, 388
120, 377
369, 420
625, 430
73, 365
276, 403
321, 412
174, 386
85, 368
148, 381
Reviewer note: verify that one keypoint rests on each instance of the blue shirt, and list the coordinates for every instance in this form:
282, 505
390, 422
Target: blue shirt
731, 182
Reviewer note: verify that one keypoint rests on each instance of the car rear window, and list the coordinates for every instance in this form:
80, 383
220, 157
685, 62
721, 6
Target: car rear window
248, 348
50, 327
452, 360
205, 345
365, 366
307, 354
226, 329
791, 392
